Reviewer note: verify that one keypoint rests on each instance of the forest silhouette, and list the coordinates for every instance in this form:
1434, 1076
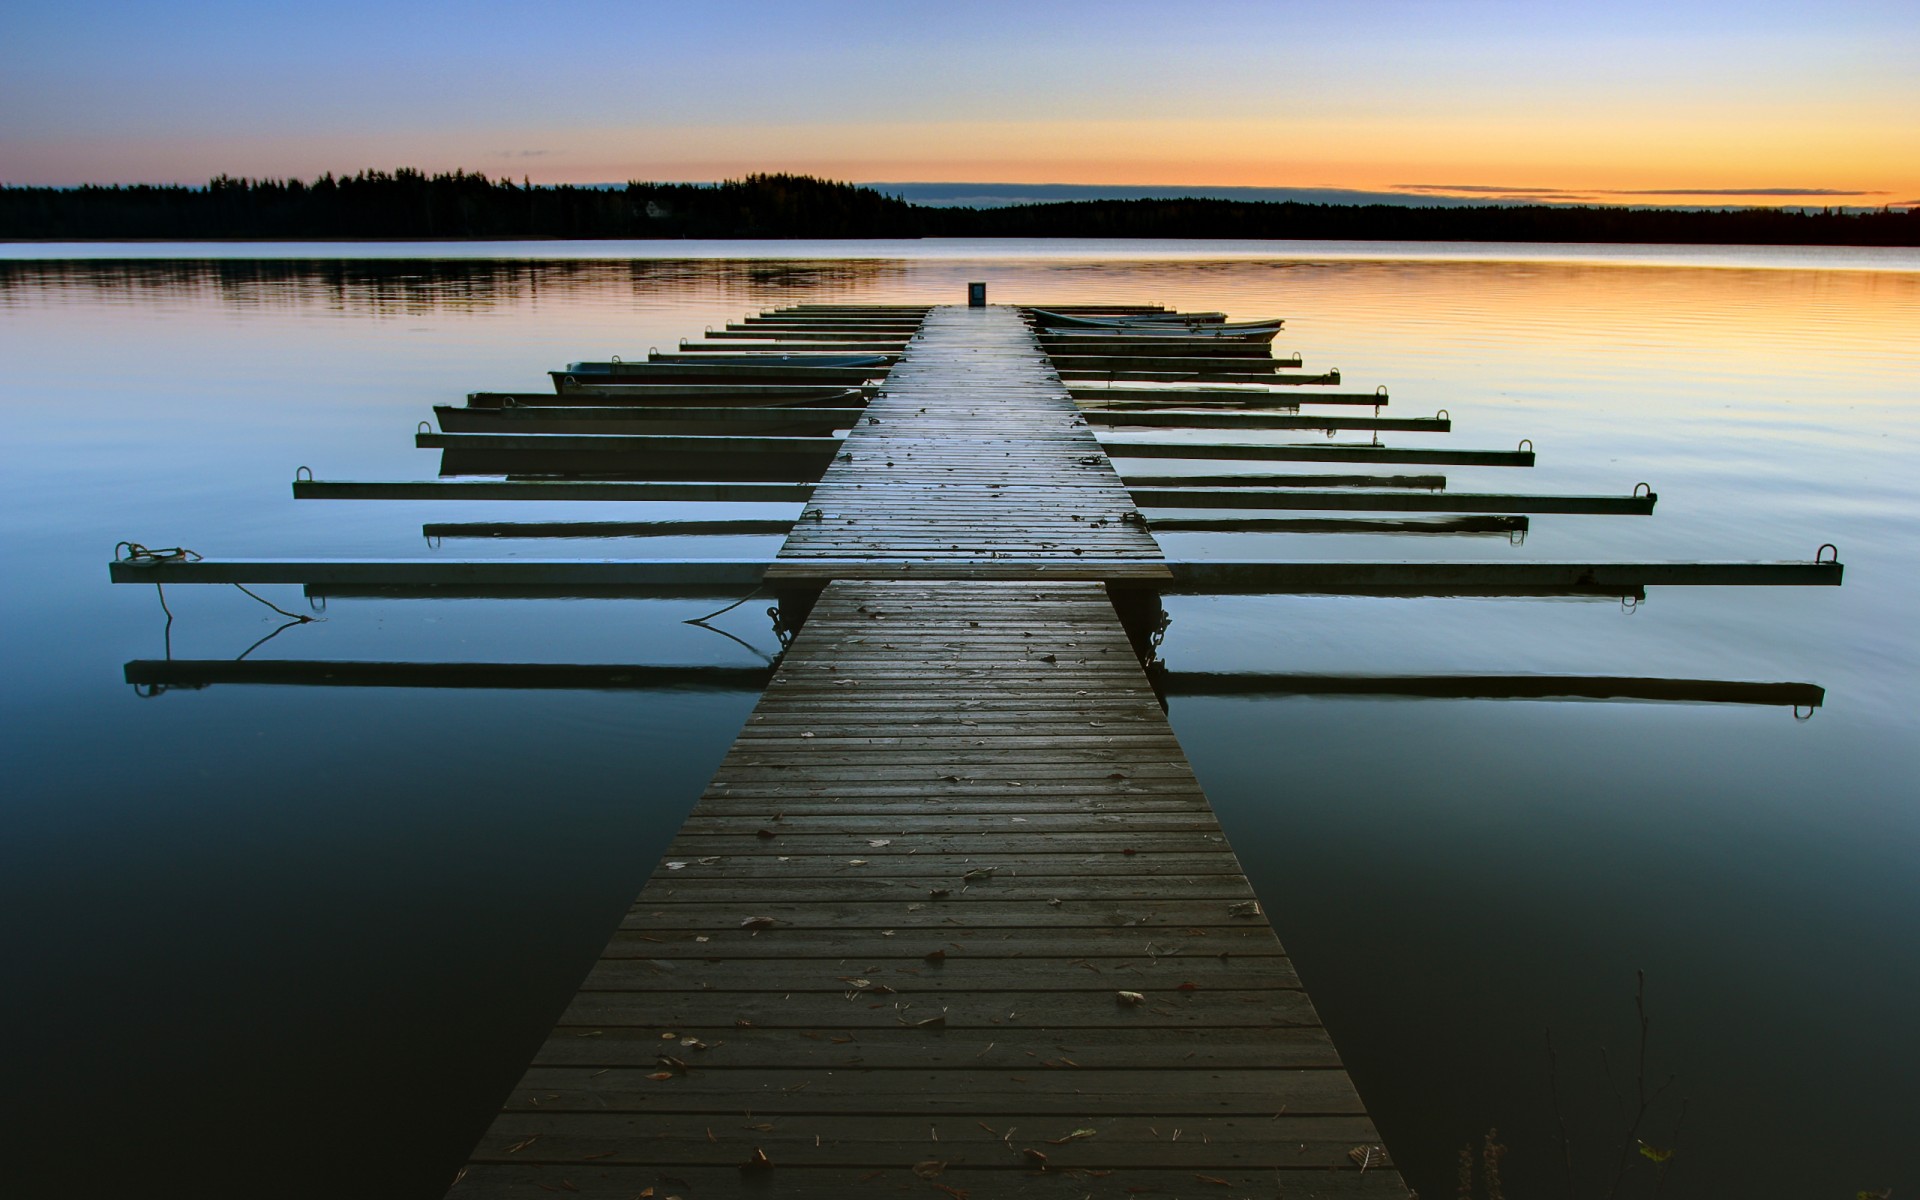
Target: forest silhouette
411, 205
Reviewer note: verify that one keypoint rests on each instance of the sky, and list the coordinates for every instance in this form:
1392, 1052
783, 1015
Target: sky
1631, 102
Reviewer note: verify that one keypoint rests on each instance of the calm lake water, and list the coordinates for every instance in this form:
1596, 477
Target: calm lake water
300, 941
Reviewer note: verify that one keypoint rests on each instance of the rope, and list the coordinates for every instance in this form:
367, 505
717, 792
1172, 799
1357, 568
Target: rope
135, 552
729, 608
295, 617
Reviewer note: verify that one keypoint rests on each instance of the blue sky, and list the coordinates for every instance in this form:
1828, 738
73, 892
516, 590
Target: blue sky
1583, 98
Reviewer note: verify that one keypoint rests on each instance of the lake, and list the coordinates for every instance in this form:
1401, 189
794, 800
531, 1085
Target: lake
291, 941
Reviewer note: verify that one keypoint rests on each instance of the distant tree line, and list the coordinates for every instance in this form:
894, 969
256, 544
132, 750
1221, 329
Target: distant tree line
409, 204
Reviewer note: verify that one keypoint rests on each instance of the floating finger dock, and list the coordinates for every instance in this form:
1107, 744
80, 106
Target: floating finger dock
953, 917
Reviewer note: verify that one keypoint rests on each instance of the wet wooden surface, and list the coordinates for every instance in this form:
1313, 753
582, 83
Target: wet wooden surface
972, 451
954, 917
953, 902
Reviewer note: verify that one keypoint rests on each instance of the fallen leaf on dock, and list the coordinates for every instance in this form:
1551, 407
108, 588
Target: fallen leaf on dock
929, 1168
1036, 1157
1075, 1136
758, 923
1131, 997
1213, 1179
935, 956
517, 1147
759, 1161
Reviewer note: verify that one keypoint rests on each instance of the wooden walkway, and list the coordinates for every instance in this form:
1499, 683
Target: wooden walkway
972, 457
953, 918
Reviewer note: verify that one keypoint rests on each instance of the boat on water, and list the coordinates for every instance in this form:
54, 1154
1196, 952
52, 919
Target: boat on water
1196, 324
604, 391
1049, 317
1252, 334
579, 375
747, 359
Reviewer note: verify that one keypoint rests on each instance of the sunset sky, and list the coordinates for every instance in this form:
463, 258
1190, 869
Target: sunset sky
1679, 102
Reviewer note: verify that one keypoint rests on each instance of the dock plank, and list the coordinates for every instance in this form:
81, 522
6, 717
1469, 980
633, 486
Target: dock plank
954, 908
971, 449
873, 966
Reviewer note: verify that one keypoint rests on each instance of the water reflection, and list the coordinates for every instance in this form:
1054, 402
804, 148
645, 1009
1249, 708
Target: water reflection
415, 286
305, 889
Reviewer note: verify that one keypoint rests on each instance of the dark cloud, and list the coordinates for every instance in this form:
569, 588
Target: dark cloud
1480, 187
1574, 193
1760, 191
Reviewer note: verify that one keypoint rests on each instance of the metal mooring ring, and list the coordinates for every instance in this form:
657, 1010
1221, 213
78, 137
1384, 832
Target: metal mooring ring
1638, 486
1824, 547
1526, 445
298, 476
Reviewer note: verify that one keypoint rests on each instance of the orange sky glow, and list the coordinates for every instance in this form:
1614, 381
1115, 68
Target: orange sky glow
1629, 103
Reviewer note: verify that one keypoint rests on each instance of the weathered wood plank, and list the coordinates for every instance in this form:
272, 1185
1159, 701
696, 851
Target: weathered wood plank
997, 1092
1019, 1179
955, 870
971, 437
831, 1140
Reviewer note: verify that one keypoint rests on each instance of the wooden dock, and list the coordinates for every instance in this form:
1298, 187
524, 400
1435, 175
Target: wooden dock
953, 917
973, 454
